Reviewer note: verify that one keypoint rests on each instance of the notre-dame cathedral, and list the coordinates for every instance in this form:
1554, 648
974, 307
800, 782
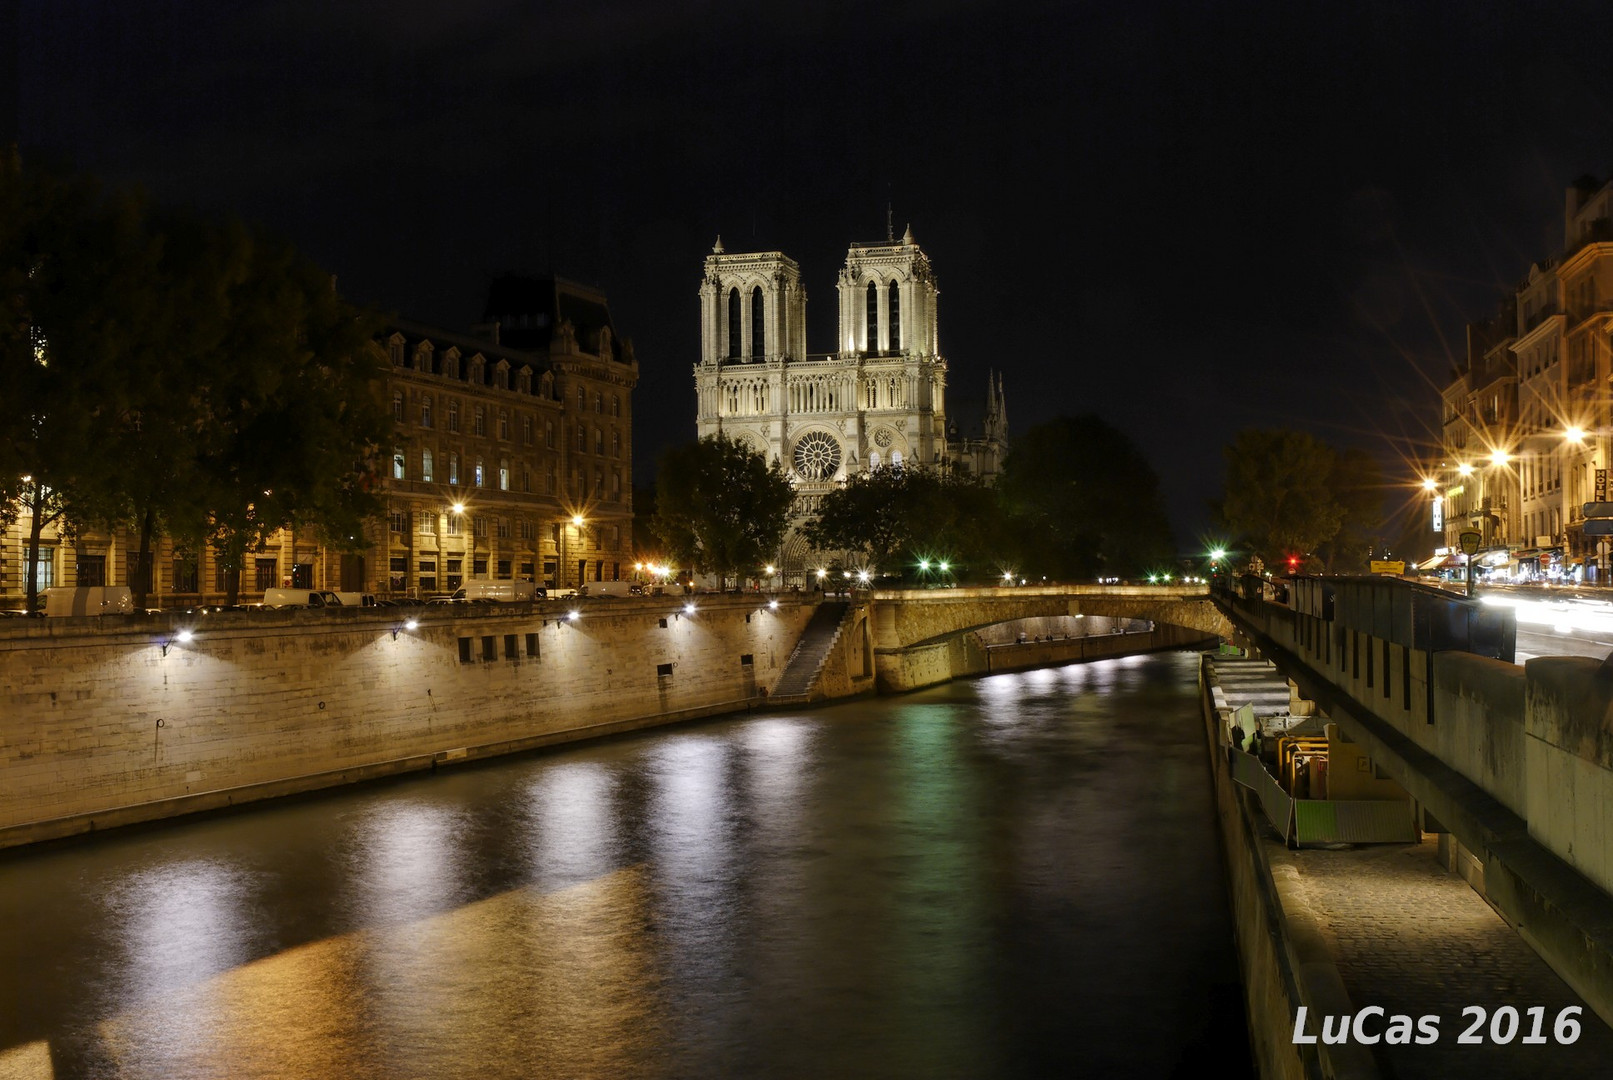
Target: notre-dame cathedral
878, 399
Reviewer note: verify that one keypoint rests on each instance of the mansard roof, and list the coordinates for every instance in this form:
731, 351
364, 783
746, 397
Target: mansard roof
529, 309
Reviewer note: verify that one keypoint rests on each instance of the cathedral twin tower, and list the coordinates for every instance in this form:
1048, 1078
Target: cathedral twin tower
878, 400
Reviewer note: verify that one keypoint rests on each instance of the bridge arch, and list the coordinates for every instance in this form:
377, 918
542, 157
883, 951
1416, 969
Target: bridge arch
923, 636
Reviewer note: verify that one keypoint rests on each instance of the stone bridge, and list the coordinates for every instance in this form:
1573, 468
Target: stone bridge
925, 636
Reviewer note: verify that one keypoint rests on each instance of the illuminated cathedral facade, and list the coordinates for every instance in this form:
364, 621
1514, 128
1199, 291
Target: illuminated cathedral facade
879, 399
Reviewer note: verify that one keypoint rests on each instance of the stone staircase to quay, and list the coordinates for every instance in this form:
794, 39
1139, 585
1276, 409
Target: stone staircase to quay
805, 664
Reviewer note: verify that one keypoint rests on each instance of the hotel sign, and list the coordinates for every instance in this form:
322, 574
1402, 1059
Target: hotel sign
1439, 513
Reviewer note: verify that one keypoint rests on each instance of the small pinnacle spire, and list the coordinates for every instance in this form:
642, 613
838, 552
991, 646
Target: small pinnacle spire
907, 237
717, 248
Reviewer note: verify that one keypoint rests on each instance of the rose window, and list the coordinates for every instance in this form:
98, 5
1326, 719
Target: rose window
882, 437
817, 455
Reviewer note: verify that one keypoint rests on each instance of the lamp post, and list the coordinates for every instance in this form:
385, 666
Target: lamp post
461, 511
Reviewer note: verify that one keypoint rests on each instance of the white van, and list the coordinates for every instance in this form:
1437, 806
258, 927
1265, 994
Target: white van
356, 599
503, 591
612, 588
300, 598
88, 600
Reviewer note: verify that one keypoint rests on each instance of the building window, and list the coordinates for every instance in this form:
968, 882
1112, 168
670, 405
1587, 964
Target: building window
453, 524
893, 311
480, 477
395, 521
733, 324
582, 437
454, 571
548, 434
267, 574
425, 412
397, 464
453, 467
599, 482
503, 474
758, 332
479, 422
582, 399
615, 444
503, 424
526, 430
187, 576
526, 479
479, 526
873, 317
599, 402
503, 532
425, 466
550, 482
453, 415
599, 442
616, 486
428, 523
616, 404
91, 570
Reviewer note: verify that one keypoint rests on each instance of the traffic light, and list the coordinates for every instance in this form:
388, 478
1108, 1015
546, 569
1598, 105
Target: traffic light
1293, 564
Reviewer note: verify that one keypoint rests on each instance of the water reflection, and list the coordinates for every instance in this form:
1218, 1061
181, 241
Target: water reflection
990, 879
573, 823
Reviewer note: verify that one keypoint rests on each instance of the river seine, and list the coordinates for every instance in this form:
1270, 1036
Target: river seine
1016, 876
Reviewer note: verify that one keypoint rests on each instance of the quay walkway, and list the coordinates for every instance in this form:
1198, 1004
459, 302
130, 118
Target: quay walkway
1389, 925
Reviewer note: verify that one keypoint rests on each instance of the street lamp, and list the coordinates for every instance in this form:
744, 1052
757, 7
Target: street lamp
461, 510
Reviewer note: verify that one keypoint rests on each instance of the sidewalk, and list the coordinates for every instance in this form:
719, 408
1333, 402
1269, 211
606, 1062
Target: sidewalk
1411, 937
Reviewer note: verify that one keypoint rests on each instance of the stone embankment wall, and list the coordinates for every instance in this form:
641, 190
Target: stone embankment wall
1281, 953
1515, 761
108, 721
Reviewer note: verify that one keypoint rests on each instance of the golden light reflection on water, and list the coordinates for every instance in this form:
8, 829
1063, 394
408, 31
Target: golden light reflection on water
30, 1061
559, 984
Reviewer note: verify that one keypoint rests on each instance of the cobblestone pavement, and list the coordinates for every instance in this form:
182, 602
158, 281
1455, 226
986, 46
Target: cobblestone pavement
1412, 938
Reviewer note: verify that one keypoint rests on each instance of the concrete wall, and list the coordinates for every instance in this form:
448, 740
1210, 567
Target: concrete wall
1515, 761
98, 726
1568, 762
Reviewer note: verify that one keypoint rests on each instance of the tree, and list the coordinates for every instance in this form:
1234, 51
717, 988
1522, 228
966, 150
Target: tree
77, 271
1280, 497
720, 507
291, 429
907, 510
1358, 489
1084, 501
175, 374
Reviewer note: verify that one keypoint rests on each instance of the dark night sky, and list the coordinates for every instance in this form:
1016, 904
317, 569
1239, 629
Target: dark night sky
1188, 218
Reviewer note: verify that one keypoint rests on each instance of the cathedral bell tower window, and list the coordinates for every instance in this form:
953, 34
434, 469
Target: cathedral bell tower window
873, 317
894, 308
758, 325
733, 324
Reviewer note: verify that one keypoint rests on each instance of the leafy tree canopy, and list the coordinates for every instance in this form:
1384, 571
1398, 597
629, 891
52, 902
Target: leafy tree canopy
1289, 493
909, 512
1084, 502
720, 507
190, 377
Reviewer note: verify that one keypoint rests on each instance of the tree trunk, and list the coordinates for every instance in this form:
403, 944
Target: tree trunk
142, 566
36, 526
